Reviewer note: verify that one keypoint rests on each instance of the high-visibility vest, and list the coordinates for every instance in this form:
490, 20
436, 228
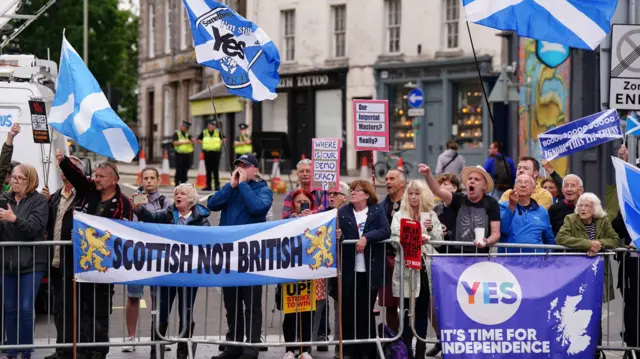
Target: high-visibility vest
244, 148
211, 142
185, 148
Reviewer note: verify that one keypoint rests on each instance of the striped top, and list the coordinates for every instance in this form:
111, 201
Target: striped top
591, 231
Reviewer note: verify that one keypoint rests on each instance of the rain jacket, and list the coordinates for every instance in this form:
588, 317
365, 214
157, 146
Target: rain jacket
525, 226
248, 203
454, 167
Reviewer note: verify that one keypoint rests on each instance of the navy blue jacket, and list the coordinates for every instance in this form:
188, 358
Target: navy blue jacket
376, 229
248, 203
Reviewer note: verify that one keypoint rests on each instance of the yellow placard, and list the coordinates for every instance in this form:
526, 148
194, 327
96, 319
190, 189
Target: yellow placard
299, 297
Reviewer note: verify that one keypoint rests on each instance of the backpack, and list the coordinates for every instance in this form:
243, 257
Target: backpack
500, 173
392, 350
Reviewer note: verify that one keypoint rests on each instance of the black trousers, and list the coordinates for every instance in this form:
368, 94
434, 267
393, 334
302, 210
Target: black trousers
62, 287
212, 165
95, 304
358, 321
298, 326
244, 316
183, 163
630, 290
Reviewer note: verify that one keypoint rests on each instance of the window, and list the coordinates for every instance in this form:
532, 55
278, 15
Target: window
451, 22
184, 39
393, 21
339, 13
168, 30
152, 31
289, 34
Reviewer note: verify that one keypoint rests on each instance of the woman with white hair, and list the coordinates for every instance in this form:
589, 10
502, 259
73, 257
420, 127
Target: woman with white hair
417, 200
589, 230
185, 211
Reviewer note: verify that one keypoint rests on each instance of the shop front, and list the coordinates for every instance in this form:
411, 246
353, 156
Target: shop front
309, 105
453, 105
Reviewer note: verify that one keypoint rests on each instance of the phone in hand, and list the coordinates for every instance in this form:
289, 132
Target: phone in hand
141, 198
4, 204
303, 206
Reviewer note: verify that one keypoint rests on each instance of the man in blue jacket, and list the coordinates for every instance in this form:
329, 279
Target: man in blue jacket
245, 199
522, 220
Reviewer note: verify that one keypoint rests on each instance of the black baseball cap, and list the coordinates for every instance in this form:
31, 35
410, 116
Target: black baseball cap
247, 160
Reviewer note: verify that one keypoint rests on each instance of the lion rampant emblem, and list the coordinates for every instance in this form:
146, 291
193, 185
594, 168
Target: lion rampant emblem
93, 247
320, 244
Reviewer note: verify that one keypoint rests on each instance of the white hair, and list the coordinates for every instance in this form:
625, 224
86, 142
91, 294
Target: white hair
191, 192
598, 212
306, 161
572, 177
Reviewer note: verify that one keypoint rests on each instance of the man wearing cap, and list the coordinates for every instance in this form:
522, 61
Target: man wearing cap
473, 211
183, 145
245, 199
211, 140
523, 220
530, 166
242, 144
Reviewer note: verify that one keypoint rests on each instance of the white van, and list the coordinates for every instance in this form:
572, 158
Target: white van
23, 77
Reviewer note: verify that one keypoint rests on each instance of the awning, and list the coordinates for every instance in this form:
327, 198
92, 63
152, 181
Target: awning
225, 102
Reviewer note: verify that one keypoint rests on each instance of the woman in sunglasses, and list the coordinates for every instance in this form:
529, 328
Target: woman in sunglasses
185, 211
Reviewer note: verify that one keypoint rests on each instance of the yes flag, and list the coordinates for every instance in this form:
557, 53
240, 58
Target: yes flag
628, 197
243, 53
80, 110
575, 23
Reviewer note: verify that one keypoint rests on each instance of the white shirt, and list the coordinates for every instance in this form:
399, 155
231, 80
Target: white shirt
361, 219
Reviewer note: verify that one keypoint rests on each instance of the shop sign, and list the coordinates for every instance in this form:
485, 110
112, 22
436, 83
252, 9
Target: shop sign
371, 125
308, 81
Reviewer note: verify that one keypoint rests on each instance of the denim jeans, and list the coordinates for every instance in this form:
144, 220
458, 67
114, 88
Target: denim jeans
20, 291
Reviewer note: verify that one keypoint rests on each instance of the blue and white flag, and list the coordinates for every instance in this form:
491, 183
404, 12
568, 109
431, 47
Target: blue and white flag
633, 125
508, 308
111, 251
576, 23
80, 110
629, 197
580, 134
244, 54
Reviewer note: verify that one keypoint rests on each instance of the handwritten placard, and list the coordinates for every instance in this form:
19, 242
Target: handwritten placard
325, 170
411, 240
299, 297
371, 125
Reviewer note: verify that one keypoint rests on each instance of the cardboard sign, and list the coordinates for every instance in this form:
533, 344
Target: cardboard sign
39, 123
299, 297
411, 240
371, 125
7, 118
325, 169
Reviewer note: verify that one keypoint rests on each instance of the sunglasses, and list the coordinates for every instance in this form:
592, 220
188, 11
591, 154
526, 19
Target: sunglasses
104, 165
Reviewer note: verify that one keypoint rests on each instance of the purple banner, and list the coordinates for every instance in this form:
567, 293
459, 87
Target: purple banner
518, 306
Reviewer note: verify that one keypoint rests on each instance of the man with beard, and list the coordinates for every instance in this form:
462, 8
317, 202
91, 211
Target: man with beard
530, 166
303, 170
474, 210
572, 189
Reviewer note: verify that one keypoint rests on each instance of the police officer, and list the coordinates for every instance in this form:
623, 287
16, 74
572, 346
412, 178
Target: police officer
242, 143
211, 140
183, 145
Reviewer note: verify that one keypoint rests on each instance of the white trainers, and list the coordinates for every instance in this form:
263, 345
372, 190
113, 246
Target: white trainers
289, 355
129, 348
305, 355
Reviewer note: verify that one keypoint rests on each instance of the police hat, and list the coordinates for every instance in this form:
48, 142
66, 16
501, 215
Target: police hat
186, 123
243, 126
213, 122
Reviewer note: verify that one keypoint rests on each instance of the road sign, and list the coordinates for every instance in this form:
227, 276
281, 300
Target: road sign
624, 86
415, 112
415, 98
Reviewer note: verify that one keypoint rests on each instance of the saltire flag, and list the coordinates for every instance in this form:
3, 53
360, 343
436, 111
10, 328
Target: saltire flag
113, 251
244, 54
80, 110
633, 125
629, 197
575, 23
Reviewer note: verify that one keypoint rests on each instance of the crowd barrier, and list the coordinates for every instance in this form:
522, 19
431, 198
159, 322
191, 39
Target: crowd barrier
211, 324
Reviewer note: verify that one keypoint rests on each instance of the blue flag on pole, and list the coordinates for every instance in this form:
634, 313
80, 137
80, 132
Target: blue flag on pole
575, 23
243, 53
633, 125
80, 110
629, 197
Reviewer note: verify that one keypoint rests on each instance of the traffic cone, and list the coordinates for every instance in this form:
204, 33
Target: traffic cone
201, 180
142, 163
364, 169
165, 177
400, 165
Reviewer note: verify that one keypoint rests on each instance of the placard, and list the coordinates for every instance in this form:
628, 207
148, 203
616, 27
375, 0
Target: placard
325, 169
299, 297
411, 241
8, 116
39, 123
371, 125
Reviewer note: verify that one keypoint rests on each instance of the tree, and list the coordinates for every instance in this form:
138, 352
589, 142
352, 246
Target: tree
113, 43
